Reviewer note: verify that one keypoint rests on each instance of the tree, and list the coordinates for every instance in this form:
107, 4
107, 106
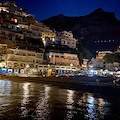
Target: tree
113, 57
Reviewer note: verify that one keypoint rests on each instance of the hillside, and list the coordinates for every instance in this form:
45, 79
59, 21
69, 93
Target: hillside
99, 30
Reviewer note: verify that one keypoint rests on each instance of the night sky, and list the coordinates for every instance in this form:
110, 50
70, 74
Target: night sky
43, 9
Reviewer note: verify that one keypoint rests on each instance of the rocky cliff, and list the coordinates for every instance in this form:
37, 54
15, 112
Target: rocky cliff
99, 30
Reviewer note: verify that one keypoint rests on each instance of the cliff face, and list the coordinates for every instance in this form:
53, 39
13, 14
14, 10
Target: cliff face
99, 30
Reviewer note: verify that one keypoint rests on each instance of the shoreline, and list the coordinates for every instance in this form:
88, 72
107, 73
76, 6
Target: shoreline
82, 80
88, 84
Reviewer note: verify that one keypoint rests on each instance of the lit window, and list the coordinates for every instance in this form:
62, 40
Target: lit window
15, 20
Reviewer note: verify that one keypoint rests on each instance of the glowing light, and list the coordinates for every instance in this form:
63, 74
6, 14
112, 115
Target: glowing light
10, 70
27, 66
0, 64
92, 71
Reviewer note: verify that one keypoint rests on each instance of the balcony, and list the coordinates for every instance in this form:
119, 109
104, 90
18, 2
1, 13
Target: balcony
24, 54
73, 59
17, 54
23, 60
9, 59
29, 61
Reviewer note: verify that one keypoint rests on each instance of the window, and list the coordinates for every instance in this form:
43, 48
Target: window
36, 61
58, 62
67, 63
56, 56
24, 54
68, 42
73, 47
17, 53
73, 43
29, 60
23, 60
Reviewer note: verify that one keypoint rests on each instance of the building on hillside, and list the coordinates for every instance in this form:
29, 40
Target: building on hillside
3, 48
65, 34
67, 39
63, 63
14, 18
57, 69
62, 59
85, 63
11, 36
99, 61
18, 59
48, 38
101, 54
94, 63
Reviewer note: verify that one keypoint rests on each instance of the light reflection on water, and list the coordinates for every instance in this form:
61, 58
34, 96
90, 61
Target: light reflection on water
69, 104
25, 100
42, 107
5, 91
44, 102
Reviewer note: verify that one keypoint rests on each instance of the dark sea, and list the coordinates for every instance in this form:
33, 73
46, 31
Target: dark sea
41, 101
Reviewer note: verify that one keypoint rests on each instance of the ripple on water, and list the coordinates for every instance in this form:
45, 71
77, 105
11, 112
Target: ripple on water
27, 100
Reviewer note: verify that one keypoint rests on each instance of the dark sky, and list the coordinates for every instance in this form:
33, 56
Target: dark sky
43, 9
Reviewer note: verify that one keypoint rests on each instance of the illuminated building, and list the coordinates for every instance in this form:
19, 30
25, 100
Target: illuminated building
85, 62
48, 37
3, 48
67, 39
101, 54
16, 20
21, 58
63, 59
